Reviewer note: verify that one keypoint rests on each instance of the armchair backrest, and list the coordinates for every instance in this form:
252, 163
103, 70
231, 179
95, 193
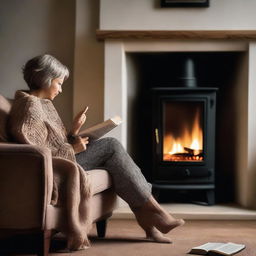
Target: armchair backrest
5, 107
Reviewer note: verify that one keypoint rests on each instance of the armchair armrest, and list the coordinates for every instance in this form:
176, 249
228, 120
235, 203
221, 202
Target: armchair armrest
26, 180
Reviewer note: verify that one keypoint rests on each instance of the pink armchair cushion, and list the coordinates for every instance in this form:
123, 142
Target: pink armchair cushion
5, 107
100, 180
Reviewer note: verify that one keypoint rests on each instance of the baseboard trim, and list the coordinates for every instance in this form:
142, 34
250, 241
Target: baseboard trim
197, 212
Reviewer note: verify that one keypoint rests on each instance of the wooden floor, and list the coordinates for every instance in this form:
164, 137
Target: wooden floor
125, 238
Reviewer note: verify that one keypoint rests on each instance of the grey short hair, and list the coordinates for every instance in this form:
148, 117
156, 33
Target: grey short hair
39, 71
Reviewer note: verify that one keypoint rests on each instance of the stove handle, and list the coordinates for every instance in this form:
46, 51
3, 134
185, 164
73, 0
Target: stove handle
157, 135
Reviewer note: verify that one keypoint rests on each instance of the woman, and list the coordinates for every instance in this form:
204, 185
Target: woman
42, 126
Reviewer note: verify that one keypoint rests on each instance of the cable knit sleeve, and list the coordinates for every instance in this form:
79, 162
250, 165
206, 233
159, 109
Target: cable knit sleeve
67, 151
57, 138
61, 147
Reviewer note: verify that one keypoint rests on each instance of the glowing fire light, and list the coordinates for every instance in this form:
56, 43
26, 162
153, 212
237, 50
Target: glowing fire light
187, 147
176, 148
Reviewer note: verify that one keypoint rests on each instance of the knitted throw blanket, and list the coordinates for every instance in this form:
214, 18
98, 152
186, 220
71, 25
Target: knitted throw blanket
35, 121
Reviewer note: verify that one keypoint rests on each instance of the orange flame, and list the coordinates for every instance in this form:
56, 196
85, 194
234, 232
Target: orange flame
190, 140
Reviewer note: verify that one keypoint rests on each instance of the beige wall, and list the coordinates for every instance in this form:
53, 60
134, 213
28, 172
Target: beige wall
32, 27
89, 62
147, 15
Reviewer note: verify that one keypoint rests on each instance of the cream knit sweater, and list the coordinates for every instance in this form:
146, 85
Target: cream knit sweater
35, 121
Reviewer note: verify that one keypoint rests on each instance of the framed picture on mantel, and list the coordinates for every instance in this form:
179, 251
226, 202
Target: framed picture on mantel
185, 3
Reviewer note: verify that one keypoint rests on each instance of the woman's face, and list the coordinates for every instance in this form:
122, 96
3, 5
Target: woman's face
54, 89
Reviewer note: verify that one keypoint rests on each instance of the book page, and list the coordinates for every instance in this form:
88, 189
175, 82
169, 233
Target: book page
209, 246
116, 119
229, 248
203, 249
98, 130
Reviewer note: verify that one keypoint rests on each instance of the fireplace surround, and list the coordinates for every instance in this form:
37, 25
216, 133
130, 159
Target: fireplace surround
122, 77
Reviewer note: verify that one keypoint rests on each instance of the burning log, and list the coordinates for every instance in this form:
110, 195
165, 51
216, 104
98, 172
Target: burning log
192, 151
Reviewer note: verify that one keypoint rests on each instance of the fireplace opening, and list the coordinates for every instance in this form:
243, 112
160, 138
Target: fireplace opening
225, 71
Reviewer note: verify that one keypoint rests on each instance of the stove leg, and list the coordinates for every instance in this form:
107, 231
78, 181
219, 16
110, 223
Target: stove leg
210, 197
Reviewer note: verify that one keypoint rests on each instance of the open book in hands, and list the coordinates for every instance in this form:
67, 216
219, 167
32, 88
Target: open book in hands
98, 130
217, 249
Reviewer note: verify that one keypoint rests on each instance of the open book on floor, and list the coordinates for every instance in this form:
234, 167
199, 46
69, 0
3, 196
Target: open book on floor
98, 130
217, 249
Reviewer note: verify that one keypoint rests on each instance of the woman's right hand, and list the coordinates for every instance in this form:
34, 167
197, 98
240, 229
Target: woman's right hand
79, 121
80, 144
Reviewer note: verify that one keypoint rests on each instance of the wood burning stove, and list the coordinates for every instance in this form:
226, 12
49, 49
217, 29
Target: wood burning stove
183, 133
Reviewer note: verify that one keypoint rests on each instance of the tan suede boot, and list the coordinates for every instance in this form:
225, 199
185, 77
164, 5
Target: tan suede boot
151, 214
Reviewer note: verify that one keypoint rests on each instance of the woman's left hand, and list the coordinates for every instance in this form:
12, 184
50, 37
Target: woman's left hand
80, 144
79, 120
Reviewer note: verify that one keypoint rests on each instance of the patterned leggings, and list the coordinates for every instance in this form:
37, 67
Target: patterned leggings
109, 154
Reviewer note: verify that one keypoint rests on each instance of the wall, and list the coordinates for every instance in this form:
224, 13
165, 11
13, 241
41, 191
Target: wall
221, 15
89, 62
29, 28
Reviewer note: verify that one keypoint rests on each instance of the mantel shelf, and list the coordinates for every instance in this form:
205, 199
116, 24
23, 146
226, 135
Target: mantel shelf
177, 34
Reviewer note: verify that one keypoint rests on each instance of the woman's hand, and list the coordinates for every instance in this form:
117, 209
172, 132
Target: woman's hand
79, 120
80, 144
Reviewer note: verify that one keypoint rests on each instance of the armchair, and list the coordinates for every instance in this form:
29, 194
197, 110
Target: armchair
26, 184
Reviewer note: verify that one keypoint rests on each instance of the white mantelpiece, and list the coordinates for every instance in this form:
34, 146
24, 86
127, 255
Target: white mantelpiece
118, 92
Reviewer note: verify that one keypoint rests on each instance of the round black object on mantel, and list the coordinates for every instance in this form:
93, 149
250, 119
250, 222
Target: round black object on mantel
188, 78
